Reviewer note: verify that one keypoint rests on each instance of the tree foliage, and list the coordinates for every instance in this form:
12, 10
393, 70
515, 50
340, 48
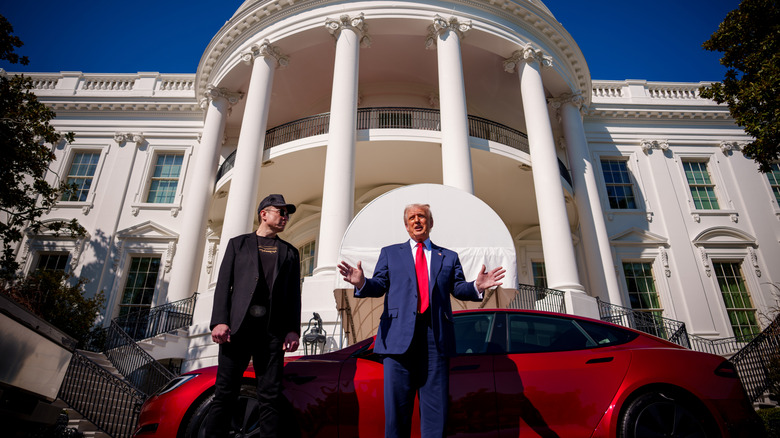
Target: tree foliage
749, 38
51, 296
26, 141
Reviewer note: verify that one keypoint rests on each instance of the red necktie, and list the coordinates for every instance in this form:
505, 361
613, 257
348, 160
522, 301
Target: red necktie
421, 267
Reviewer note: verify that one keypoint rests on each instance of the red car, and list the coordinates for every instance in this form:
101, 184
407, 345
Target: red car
518, 373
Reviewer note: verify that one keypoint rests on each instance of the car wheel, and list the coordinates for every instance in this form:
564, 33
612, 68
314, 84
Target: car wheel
244, 423
665, 415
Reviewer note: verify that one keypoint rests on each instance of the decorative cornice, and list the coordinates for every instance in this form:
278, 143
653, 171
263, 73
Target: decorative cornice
357, 24
527, 53
441, 26
265, 49
647, 145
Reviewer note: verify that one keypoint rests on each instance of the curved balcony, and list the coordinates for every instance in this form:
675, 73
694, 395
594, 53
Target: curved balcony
390, 118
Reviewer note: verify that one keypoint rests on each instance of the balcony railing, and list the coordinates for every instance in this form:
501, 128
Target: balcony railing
538, 298
651, 323
389, 118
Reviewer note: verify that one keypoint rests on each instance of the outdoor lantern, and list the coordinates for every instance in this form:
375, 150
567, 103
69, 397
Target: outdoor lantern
314, 336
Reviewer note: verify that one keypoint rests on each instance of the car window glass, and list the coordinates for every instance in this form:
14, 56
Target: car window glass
540, 333
473, 333
606, 335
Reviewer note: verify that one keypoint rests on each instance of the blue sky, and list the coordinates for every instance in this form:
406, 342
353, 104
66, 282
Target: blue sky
658, 41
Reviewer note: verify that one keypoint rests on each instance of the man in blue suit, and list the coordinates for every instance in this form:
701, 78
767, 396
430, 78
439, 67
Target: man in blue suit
416, 332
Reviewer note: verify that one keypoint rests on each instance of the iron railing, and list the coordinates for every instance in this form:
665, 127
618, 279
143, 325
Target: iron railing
758, 363
721, 347
107, 401
538, 298
648, 322
139, 368
148, 323
390, 118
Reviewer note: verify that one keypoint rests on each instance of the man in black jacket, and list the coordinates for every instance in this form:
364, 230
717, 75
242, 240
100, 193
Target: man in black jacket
257, 315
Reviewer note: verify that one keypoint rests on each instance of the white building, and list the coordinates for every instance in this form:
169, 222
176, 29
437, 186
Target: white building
632, 192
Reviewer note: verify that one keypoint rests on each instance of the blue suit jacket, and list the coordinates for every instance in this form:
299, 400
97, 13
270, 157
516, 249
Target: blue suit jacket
395, 278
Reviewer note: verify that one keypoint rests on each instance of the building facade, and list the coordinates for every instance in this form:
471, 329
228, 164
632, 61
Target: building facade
632, 193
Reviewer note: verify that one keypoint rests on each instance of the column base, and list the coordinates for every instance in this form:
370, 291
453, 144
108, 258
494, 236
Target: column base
581, 304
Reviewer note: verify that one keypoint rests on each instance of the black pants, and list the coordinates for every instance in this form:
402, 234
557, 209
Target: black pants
268, 359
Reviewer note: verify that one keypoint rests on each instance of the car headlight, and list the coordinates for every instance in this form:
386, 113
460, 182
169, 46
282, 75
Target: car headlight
175, 383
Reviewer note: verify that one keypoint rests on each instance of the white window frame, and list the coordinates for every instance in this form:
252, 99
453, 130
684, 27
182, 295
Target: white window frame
139, 200
723, 244
142, 240
771, 194
64, 169
658, 258
631, 160
725, 203
46, 242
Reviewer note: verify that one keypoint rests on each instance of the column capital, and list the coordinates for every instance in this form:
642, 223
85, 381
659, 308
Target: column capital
527, 53
356, 24
265, 49
441, 25
575, 99
213, 93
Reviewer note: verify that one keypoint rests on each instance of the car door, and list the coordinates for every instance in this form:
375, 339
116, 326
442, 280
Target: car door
556, 380
472, 411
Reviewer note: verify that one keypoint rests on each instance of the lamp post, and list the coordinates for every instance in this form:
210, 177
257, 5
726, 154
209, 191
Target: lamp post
314, 336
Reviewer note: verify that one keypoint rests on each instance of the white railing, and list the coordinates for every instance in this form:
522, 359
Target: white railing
677, 91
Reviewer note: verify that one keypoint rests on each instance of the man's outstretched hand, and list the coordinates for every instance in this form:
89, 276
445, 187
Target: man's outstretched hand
487, 280
352, 275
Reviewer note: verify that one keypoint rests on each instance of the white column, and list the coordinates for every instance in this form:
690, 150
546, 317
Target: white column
595, 239
186, 264
338, 190
241, 207
455, 152
559, 260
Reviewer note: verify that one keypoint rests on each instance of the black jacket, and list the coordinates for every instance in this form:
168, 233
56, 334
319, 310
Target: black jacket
238, 276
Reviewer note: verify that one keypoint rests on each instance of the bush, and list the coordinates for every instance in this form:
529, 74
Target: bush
771, 419
51, 296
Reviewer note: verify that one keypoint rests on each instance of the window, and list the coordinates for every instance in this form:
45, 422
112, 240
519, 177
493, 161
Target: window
736, 297
541, 334
701, 185
540, 274
473, 333
641, 287
55, 261
774, 180
620, 189
140, 285
307, 259
165, 179
80, 175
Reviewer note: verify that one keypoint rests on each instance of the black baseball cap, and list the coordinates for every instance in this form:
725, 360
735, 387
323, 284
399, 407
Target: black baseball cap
275, 200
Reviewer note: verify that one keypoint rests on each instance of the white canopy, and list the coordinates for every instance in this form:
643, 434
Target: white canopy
462, 223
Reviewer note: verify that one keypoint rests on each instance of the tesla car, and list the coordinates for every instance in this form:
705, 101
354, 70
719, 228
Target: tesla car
518, 373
